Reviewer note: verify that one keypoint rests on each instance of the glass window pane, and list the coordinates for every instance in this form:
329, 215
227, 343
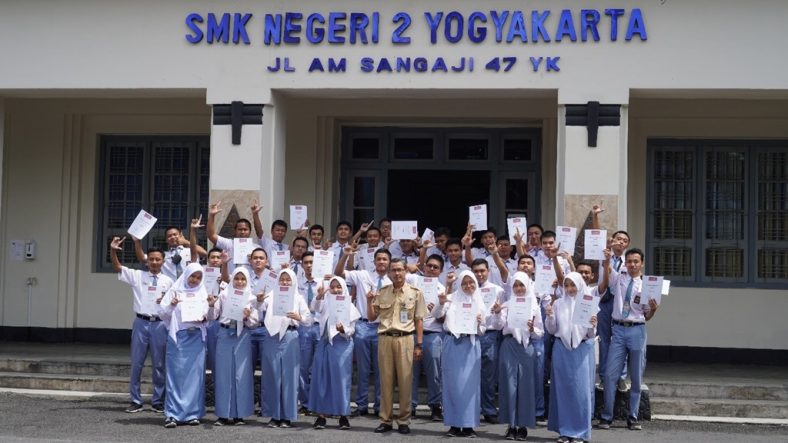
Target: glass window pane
361, 216
673, 261
773, 196
517, 149
516, 194
773, 264
365, 148
725, 262
413, 148
468, 149
672, 225
364, 191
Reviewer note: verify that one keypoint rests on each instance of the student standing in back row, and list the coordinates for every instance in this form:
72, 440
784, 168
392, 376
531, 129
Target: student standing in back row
148, 333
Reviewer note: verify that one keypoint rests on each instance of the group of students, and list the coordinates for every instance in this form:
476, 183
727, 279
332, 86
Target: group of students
306, 356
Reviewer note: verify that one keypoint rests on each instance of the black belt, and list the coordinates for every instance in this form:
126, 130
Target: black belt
151, 318
364, 320
426, 332
292, 328
227, 326
628, 324
396, 334
492, 330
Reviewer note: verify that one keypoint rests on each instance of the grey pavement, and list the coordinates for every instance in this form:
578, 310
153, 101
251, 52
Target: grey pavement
25, 419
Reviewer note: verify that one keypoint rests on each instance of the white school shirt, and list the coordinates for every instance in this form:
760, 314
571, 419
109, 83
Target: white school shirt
638, 304
168, 268
429, 321
339, 249
522, 336
448, 267
276, 325
395, 249
139, 282
511, 265
270, 245
321, 315
559, 324
303, 288
497, 294
365, 281
495, 276
365, 258
411, 259
445, 311
215, 313
226, 244
541, 260
433, 250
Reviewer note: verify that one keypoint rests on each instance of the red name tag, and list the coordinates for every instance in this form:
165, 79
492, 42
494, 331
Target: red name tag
340, 297
467, 305
587, 297
237, 292
152, 288
521, 300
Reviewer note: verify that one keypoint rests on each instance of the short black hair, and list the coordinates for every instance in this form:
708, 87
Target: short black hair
153, 249
243, 220
526, 257
399, 260
316, 228
536, 225
503, 237
454, 241
548, 234
307, 254
488, 231
383, 251
300, 238
480, 261
436, 257
215, 249
442, 231
344, 223
384, 219
635, 251
374, 228
258, 249
171, 227
585, 263
276, 223
621, 232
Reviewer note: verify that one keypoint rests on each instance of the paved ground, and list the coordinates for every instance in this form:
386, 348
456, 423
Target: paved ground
25, 419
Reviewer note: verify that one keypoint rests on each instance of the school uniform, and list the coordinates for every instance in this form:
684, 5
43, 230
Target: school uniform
628, 340
572, 386
332, 365
308, 337
604, 326
339, 251
432, 347
212, 331
365, 258
495, 276
148, 333
489, 342
180, 254
448, 268
281, 356
461, 359
411, 258
185, 360
258, 333
366, 336
233, 377
270, 245
516, 361
227, 245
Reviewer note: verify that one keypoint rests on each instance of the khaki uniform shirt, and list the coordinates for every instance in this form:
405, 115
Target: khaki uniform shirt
391, 302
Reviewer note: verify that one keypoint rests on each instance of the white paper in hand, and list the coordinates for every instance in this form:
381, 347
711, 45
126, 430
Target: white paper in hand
298, 216
278, 258
477, 216
586, 305
566, 236
428, 235
514, 224
323, 263
595, 244
142, 225
652, 288
242, 247
404, 230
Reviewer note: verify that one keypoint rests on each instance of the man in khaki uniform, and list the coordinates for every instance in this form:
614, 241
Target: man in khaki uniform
401, 309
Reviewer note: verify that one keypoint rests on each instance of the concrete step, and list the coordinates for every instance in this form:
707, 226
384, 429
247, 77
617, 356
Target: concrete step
70, 382
715, 407
38, 366
735, 391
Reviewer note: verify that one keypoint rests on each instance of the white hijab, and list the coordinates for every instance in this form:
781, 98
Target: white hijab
331, 298
181, 285
277, 324
458, 297
522, 277
564, 308
247, 295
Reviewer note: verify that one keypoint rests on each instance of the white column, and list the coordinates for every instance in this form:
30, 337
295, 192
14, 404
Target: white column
590, 175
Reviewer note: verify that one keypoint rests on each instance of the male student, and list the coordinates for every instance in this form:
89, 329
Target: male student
316, 237
408, 252
499, 273
176, 256
631, 311
243, 230
308, 336
343, 233
442, 235
278, 232
148, 332
299, 247
453, 264
365, 258
506, 251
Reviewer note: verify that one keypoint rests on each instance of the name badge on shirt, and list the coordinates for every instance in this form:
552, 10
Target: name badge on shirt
403, 314
637, 300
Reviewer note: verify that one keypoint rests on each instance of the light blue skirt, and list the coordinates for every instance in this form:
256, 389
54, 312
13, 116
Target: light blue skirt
461, 370
332, 367
516, 381
571, 390
185, 399
233, 377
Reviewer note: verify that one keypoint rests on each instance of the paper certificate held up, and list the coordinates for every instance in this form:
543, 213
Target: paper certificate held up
339, 310
270, 281
520, 310
284, 297
404, 230
566, 236
652, 288
298, 216
278, 258
545, 274
233, 304
585, 306
142, 225
595, 244
323, 263
466, 321
514, 224
242, 247
429, 286
428, 235
211, 278
192, 308
477, 216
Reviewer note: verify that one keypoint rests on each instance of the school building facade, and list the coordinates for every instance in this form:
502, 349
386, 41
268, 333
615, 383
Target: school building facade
673, 114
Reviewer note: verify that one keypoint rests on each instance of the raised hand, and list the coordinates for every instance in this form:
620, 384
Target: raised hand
212, 300
441, 299
225, 257
596, 209
116, 243
214, 208
197, 222
321, 292
256, 207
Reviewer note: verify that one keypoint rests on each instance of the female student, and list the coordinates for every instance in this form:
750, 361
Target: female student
185, 360
234, 385
333, 360
281, 354
521, 319
571, 401
465, 317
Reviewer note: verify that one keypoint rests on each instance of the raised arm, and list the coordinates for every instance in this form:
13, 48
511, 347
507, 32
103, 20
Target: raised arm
520, 245
364, 228
114, 247
213, 209
595, 211
258, 225
493, 250
604, 282
193, 238
467, 242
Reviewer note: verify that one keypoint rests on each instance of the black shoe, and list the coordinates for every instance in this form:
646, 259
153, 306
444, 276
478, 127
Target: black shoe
413, 412
344, 423
134, 407
274, 423
170, 423
491, 419
604, 424
193, 422
633, 424
522, 434
437, 413
454, 432
468, 432
541, 420
562, 439
285, 424
239, 422
157, 408
576, 440
403, 429
320, 423
303, 410
511, 433
361, 412
383, 427
222, 422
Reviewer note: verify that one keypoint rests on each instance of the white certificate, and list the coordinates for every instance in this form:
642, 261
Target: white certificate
466, 318
585, 306
283, 300
338, 310
521, 309
234, 303
149, 297
191, 306
428, 235
488, 296
566, 236
595, 244
323, 263
298, 217
404, 230
242, 247
545, 275
142, 225
652, 288
278, 258
211, 277
665, 287
429, 286
477, 216
514, 224
269, 282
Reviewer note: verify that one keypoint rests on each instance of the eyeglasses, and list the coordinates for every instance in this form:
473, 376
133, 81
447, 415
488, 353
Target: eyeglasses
432, 266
